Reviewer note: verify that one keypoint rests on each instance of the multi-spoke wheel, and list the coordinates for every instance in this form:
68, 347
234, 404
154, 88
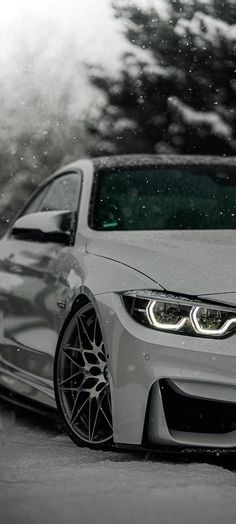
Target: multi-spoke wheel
81, 380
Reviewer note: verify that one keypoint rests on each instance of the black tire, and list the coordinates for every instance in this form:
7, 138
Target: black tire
81, 380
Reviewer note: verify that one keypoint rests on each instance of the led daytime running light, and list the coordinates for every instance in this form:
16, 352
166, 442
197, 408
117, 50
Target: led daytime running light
193, 320
158, 325
180, 314
214, 332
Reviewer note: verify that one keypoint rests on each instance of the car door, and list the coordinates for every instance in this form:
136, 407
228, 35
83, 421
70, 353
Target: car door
28, 284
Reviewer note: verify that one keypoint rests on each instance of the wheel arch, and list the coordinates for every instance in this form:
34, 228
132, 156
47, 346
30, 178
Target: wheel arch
83, 296
79, 303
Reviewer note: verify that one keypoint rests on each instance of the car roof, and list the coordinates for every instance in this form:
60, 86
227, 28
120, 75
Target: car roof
135, 161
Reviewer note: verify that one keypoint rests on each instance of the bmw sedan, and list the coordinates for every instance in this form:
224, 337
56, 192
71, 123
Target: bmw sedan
118, 301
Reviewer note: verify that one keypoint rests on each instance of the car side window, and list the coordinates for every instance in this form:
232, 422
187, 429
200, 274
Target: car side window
34, 206
63, 194
60, 195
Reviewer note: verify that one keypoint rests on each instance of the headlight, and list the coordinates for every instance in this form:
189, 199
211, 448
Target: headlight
176, 314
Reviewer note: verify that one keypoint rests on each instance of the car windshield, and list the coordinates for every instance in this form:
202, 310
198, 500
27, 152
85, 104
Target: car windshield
165, 198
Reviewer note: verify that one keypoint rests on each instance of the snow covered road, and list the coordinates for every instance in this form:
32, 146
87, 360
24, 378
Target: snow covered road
45, 478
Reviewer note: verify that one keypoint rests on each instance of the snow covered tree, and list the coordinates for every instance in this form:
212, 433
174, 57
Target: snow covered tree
176, 88
41, 119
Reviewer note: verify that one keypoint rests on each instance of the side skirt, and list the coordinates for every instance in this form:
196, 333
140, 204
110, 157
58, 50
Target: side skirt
29, 387
28, 404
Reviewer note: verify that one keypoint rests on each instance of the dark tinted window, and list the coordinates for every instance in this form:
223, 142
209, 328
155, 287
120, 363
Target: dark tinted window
197, 198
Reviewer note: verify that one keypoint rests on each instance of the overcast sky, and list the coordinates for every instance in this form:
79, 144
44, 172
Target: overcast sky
43, 47
89, 22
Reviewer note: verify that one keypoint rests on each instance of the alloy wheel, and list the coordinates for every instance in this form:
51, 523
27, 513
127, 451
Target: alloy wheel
82, 380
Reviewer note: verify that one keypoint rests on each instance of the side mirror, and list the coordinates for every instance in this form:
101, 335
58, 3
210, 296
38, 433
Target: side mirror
47, 226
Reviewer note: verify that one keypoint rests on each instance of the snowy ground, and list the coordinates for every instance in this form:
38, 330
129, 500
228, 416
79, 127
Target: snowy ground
45, 478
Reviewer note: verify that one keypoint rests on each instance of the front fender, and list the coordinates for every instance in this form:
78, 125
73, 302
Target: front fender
92, 275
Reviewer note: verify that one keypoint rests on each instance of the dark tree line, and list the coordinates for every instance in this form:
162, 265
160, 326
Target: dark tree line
176, 89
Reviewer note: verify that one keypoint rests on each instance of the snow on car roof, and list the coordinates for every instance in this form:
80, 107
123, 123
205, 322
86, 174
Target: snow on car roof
123, 161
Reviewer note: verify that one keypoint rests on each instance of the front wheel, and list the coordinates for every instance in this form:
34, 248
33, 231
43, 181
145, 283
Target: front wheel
81, 380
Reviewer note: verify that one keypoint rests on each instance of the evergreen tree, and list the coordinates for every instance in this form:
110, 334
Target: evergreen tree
176, 89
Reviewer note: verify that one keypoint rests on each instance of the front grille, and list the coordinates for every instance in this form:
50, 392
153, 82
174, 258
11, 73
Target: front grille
196, 415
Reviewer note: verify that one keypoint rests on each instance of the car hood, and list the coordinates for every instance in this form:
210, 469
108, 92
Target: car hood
191, 262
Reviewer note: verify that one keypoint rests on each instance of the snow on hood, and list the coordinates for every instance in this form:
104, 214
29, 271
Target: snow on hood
190, 262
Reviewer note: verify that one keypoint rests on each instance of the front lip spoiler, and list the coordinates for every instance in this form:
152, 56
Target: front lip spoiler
189, 452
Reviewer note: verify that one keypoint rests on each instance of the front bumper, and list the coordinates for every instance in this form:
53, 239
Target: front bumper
140, 358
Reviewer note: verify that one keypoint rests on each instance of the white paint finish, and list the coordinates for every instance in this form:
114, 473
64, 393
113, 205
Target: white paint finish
191, 262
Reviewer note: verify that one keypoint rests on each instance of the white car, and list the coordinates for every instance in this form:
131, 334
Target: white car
118, 301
